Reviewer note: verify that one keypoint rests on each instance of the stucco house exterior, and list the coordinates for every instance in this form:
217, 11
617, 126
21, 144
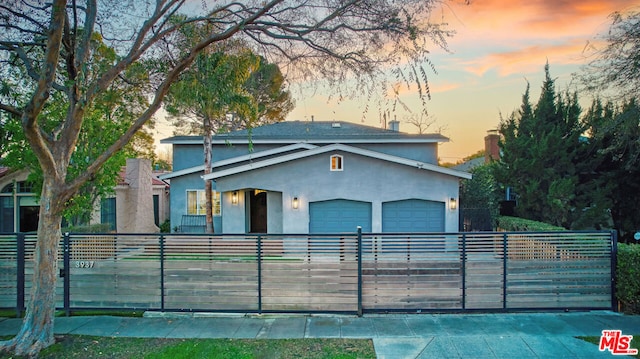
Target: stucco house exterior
139, 204
317, 177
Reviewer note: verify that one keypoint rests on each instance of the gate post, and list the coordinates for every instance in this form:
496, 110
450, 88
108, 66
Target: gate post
161, 272
66, 272
359, 249
259, 253
614, 263
20, 274
464, 271
505, 253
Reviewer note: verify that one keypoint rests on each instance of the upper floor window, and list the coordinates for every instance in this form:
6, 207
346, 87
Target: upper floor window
336, 163
196, 202
22, 187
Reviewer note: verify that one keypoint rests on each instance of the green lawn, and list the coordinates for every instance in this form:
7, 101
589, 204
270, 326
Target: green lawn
88, 347
635, 342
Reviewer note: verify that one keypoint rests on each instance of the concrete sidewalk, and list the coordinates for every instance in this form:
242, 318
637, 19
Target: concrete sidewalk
521, 335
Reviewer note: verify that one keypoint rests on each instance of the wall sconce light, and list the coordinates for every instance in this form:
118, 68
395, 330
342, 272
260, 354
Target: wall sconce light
453, 204
295, 203
234, 197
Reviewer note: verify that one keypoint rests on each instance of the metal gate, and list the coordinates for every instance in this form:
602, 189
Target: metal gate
352, 273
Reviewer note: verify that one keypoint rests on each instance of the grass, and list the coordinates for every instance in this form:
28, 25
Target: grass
635, 342
88, 347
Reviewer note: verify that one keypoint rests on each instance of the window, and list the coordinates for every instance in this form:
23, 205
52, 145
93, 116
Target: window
336, 163
196, 201
108, 212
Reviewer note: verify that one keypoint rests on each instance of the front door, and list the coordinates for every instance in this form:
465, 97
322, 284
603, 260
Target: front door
258, 211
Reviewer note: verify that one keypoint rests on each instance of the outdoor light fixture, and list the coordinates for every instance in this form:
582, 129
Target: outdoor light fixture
234, 197
294, 203
453, 204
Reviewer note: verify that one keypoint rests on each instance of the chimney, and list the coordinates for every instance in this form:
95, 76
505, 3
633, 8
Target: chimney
394, 125
491, 148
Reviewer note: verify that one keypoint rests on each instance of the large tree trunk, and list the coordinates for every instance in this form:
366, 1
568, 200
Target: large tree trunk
208, 190
37, 327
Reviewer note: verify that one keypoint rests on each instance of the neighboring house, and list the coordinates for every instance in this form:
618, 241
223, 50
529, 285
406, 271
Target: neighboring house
140, 203
317, 177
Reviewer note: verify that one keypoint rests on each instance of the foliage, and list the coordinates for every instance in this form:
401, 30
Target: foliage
541, 147
93, 228
611, 164
628, 277
481, 192
516, 224
106, 120
165, 227
614, 69
210, 89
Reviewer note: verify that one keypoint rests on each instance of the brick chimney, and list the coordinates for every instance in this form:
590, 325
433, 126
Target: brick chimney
491, 148
135, 203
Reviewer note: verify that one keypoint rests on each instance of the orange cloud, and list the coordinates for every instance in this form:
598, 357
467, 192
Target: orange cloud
526, 59
507, 20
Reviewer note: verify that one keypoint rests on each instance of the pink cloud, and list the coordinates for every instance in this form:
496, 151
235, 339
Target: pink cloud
518, 36
526, 59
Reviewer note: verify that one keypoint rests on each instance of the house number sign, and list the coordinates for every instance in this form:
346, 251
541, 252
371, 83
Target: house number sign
85, 264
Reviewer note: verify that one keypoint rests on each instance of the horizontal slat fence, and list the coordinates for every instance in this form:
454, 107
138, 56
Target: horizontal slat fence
350, 273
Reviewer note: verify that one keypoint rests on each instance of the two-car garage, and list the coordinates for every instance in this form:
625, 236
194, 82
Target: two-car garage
344, 216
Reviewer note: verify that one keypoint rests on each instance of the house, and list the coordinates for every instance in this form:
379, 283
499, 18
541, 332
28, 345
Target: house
316, 177
139, 205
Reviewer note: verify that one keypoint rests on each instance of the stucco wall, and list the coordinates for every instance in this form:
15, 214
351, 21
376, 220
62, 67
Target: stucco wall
178, 198
187, 156
423, 152
363, 179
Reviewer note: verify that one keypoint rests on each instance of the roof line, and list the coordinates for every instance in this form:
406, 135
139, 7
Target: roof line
250, 156
336, 147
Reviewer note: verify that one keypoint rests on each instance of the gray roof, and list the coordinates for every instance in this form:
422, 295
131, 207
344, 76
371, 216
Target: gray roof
314, 131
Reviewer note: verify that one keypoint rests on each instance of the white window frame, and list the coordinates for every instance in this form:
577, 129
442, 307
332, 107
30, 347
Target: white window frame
339, 166
201, 201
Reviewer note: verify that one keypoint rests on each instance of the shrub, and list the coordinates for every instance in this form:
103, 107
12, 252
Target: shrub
515, 224
628, 277
165, 227
92, 228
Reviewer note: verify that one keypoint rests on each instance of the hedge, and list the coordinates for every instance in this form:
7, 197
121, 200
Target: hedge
515, 224
628, 277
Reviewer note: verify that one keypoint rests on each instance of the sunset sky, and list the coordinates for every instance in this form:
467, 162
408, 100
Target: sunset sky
499, 45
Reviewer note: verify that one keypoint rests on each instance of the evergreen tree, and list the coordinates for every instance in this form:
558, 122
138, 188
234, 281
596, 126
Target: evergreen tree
539, 145
614, 159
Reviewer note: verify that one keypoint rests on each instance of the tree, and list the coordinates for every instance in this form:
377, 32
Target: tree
106, 119
227, 88
354, 39
616, 66
539, 149
480, 198
208, 91
613, 166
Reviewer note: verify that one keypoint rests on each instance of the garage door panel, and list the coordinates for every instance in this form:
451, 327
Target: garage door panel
413, 215
339, 216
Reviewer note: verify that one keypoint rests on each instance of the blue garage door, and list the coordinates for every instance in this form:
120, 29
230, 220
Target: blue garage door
339, 216
413, 215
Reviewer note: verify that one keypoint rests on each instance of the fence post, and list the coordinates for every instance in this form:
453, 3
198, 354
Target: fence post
161, 272
614, 263
259, 250
359, 249
505, 253
464, 271
20, 258
66, 272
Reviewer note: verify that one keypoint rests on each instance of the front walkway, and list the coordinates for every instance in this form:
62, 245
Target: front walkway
520, 335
